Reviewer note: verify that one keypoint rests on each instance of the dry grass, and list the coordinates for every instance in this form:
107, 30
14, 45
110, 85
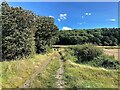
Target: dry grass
15, 73
107, 47
112, 52
47, 79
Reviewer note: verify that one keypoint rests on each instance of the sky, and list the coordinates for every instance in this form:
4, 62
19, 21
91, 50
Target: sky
76, 15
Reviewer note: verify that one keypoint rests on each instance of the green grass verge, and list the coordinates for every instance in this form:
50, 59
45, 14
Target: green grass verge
47, 78
15, 73
84, 76
87, 75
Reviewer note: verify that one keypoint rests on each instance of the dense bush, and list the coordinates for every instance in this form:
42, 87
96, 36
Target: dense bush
17, 32
45, 33
105, 61
86, 52
110, 64
23, 32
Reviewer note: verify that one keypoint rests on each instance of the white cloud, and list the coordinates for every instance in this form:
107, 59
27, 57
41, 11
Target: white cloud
51, 16
58, 19
88, 14
62, 17
112, 19
66, 28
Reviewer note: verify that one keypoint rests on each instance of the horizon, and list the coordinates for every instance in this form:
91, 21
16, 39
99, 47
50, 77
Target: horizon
75, 15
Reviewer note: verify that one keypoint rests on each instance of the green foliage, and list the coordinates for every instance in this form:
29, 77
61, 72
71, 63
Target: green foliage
91, 55
86, 52
84, 76
68, 54
24, 33
45, 33
105, 61
17, 32
102, 36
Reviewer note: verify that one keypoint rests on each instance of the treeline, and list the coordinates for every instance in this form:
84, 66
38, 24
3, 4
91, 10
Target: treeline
103, 36
24, 33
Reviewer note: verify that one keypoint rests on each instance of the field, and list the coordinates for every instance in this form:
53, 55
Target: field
17, 73
84, 76
109, 50
38, 52
113, 52
87, 76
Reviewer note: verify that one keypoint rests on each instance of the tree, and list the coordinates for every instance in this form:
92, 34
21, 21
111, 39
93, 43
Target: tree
45, 33
102, 36
17, 32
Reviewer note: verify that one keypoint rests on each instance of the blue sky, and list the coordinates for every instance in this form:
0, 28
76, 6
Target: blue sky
76, 15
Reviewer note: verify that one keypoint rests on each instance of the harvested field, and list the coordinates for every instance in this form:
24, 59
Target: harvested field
113, 52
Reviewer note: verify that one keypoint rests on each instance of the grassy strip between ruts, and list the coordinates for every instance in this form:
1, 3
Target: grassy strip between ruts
47, 78
15, 73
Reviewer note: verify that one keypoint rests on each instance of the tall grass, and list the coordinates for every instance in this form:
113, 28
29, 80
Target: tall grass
84, 76
47, 78
15, 73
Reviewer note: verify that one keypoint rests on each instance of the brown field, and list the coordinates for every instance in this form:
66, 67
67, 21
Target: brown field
113, 52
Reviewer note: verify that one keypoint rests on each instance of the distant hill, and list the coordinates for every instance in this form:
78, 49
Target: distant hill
101, 36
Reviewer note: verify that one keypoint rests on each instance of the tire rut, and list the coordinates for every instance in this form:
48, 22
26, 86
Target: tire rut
59, 76
39, 71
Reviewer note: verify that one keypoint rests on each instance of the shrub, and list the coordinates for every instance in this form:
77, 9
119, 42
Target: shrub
86, 52
91, 55
105, 61
110, 64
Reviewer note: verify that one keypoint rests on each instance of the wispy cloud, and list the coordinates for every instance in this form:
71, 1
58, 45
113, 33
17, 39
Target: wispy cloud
66, 28
62, 17
111, 19
58, 20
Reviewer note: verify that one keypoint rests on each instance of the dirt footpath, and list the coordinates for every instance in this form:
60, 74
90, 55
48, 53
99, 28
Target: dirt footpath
60, 82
